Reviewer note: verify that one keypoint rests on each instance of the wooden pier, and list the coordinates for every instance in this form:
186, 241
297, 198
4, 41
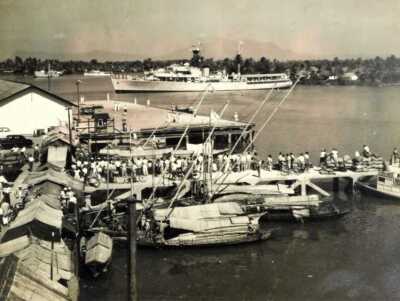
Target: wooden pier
250, 181
294, 180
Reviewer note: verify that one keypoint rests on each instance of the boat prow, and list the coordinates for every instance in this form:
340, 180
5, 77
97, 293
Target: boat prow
370, 188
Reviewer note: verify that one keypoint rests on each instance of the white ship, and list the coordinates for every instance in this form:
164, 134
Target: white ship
46, 74
96, 73
186, 78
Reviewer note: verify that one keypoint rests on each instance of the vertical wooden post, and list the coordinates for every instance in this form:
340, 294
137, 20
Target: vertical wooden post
229, 141
303, 188
132, 292
52, 255
187, 140
336, 184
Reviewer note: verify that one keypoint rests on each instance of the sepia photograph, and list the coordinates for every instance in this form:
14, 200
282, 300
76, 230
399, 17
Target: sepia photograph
227, 150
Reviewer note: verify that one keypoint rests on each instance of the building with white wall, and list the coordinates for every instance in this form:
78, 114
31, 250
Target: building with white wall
26, 108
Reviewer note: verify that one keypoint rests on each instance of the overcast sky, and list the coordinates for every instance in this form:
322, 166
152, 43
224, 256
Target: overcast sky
323, 28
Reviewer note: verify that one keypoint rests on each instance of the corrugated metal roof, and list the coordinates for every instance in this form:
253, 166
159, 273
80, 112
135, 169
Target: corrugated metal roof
8, 88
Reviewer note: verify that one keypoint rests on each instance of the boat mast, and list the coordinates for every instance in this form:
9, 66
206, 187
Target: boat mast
48, 76
239, 57
192, 165
206, 90
259, 131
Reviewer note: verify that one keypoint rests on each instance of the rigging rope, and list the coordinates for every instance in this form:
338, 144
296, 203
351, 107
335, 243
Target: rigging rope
257, 134
192, 165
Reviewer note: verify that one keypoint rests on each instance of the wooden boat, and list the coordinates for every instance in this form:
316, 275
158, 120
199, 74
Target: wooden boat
200, 226
98, 253
291, 208
384, 186
324, 210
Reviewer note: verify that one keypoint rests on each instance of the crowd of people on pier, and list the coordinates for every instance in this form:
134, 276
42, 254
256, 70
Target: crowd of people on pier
117, 169
68, 200
110, 169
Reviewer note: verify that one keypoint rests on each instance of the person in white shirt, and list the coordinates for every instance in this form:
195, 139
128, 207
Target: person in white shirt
227, 162
220, 161
322, 157
300, 160
145, 167
307, 162
366, 151
214, 167
335, 154
249, 159
30, 161
281, 160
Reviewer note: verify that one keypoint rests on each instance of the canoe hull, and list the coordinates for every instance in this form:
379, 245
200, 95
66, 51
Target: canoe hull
207, 240
364, 187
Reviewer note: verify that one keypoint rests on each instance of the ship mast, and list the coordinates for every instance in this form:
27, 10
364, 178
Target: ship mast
239, 57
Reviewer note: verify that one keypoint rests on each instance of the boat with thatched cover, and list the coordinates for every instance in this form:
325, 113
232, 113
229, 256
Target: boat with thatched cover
200, 226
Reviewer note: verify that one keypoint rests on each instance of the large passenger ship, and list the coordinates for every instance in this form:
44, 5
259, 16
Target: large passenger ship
187, 78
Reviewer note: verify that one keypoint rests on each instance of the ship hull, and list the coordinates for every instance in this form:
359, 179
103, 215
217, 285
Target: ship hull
129, 85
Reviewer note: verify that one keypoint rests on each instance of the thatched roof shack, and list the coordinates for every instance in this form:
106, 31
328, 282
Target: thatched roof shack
37, 219
34, 260
21, 281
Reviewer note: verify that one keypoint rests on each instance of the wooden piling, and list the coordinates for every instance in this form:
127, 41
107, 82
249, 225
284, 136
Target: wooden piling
336, 185
132, 292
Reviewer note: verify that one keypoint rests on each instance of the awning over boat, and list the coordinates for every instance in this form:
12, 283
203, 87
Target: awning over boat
200, 211
201, 225
189, 212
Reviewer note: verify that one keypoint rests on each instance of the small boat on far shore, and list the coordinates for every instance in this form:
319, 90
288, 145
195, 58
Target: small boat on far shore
47, 74
96, 73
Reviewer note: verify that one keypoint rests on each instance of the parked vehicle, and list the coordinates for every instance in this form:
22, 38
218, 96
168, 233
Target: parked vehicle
15, 141
4, 131
90, 110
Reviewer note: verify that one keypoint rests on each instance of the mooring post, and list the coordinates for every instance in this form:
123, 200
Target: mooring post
132, 292
303, 188
336, 184
350, 185
52, 257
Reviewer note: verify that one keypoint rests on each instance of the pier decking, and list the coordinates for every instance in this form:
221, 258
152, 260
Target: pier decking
247, 180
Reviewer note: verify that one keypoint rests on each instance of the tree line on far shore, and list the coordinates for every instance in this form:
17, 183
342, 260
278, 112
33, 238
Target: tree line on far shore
371, 71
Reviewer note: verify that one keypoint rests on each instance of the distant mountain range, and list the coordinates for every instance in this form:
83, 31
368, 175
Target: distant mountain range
216, 48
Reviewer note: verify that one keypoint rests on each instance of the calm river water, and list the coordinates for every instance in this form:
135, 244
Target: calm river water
353, 258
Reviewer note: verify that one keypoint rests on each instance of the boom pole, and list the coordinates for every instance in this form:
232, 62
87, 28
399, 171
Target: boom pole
192, 166
260, 130
183, 134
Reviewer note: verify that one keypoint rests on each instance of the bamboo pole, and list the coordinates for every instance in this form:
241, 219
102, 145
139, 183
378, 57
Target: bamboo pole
132, 281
